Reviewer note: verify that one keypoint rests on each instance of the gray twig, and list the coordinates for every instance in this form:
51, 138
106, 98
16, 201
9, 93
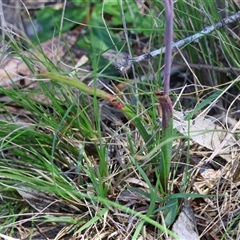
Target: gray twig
128, 62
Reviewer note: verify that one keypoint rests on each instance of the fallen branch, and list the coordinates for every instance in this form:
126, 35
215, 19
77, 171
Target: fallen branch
128, 62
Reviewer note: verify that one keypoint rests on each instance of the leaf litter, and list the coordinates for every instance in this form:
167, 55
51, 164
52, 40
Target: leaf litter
204, 131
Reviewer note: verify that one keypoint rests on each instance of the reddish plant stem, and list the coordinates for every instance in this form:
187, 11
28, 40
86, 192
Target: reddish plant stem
165, 105
168, 44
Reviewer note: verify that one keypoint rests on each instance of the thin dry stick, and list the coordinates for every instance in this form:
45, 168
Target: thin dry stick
179, 44
127, 40
210, 67
61, 25
3, 23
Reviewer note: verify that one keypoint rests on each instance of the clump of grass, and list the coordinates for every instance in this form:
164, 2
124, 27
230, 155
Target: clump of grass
98, 178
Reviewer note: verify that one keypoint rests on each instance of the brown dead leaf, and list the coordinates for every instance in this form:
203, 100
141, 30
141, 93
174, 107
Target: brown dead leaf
14, 68
39, 200
236, 175
200, 130
205, 132
185, 225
